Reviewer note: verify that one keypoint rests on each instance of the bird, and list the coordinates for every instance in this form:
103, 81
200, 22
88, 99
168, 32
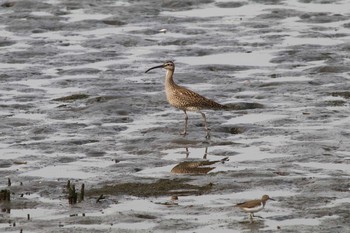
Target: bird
185, 99
254, 206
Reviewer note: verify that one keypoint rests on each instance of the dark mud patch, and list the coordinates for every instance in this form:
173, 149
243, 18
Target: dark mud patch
303, 53
329, 69
277, 14
231, 129
334, 103
321, 17
230, 4
113, 21
183, 5
5, 42
8, 4
162, 187
243, 106
221, 68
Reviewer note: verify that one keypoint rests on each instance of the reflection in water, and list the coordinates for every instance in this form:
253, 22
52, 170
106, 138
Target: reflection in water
172, 202
252, 227
196, 167
6, 209
204, 156
5, 198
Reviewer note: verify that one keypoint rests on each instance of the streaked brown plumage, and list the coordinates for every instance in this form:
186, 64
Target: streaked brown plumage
195, 167
185, 99
192, 167
253, 206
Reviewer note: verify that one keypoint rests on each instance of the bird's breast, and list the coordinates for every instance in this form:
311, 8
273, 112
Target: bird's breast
254, 209
175, 99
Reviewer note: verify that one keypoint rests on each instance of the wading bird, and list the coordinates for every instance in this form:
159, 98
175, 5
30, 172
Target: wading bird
254, 206
185, 99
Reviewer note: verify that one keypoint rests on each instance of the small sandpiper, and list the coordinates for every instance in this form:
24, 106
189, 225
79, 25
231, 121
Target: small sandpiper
254, 206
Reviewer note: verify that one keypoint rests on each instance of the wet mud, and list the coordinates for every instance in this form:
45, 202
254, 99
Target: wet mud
75, 104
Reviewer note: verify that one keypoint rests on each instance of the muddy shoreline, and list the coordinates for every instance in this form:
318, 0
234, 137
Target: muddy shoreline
76, 105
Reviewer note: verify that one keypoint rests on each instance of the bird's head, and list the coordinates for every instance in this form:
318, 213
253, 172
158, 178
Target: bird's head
266, 197
168, 65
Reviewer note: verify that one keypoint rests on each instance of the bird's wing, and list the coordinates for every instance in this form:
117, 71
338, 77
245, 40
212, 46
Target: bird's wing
194, 99
249, 204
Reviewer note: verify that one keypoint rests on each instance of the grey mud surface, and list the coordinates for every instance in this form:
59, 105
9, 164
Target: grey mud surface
76, 105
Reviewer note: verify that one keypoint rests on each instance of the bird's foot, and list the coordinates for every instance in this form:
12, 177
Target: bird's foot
251, 217
183, 133
207, 136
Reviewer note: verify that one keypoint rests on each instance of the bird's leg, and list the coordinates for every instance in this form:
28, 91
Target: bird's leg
205, 125
205, 153
185, 128
187, 152
251, 215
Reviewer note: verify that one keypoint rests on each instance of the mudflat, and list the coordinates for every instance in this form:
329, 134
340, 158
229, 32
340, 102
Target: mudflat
75, 105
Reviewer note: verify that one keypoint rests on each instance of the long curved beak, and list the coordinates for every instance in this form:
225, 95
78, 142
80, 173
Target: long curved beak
272, 199
156, 67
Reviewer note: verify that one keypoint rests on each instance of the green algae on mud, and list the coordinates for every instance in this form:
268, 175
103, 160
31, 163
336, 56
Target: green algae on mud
72, 97
344, 94
161, 187
335, 103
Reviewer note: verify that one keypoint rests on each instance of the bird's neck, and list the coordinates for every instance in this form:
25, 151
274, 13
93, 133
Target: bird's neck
169, 78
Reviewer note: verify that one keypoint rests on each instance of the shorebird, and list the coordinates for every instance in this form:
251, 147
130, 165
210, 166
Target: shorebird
254, 206
185, 99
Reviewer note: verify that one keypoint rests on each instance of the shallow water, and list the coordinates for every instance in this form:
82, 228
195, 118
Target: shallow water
291, 57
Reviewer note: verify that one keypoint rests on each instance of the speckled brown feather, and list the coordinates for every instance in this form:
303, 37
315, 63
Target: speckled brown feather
188, 167
185, 99
195, 167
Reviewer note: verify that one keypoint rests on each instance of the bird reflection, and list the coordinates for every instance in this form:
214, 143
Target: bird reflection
196, 167
6, 210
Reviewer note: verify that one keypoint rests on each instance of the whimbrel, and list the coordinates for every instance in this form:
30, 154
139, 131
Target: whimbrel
254, 206
185, 99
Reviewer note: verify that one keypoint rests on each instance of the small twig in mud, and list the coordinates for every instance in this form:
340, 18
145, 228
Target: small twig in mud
9, 182
101, 197
82, 193
72, 195
28, 216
